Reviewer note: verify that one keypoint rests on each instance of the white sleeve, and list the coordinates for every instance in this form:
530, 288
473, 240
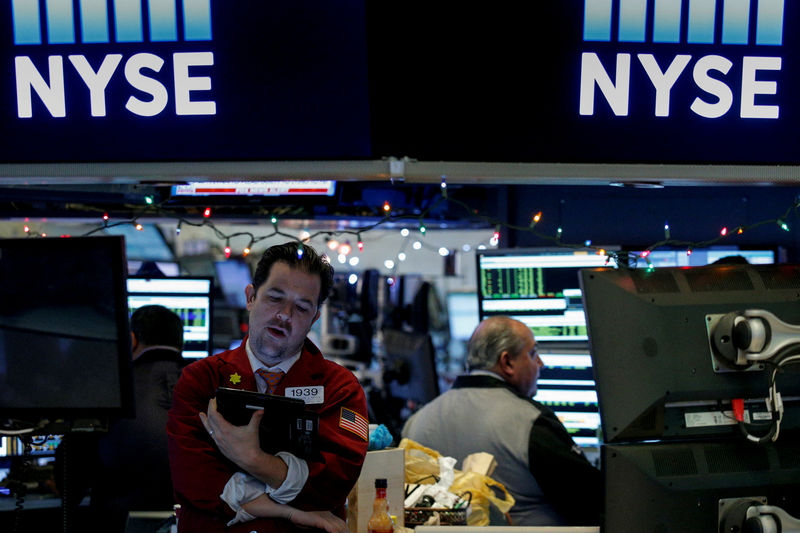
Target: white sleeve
240, 489
296, 478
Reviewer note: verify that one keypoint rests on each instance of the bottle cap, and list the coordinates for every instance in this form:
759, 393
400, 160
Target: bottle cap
380, 483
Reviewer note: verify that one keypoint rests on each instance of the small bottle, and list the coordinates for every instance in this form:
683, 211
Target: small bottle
380, 521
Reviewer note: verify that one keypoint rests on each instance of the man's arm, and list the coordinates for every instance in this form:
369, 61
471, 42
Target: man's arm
199, 472
342, 445
569, 482
240, 444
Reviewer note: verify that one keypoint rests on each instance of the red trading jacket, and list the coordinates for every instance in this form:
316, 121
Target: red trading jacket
200, 471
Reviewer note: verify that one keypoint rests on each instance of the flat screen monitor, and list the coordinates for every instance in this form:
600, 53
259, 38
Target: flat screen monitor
566, 385
538, 287
661, 258
410, 366
146, 244
64, 334
233, 275
650, 336
189, 298
696, 487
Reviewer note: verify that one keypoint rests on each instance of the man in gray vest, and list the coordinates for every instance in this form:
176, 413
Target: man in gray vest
491, 410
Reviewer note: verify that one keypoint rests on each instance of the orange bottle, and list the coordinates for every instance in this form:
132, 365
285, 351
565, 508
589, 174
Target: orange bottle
380, 521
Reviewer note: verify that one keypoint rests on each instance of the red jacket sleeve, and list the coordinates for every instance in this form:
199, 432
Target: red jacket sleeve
343, 450
199, 471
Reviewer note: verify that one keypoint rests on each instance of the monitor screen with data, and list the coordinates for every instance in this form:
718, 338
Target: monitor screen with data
189, 298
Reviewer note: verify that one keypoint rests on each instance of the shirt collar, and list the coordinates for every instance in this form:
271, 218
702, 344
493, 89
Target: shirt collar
482, 372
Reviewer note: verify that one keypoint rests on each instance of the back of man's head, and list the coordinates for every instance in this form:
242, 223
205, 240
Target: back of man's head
155, 325
492, 337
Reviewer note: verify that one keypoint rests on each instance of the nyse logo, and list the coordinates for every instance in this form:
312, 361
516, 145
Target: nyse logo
703, 25
55, 25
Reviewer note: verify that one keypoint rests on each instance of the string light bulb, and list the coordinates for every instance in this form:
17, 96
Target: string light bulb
227, 251
360, 243
783, 225
666, 230
207, 212
300, 250
723, 231
536, 218
139, 227
444, 187
387, 207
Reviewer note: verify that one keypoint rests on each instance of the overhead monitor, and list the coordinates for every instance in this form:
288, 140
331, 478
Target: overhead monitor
146, 244
189, 298
538, 287
233, 275
661, 258
659, 339
64, 334
257, 188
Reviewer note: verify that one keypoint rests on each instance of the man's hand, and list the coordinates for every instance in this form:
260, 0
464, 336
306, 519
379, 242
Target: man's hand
325, 520
241, 445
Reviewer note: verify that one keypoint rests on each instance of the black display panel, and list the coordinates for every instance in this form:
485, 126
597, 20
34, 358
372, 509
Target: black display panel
64, 336
657, 376
697, 487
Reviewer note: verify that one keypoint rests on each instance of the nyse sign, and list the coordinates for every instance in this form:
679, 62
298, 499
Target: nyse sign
51, 91
44, 77
715, 79
715, 98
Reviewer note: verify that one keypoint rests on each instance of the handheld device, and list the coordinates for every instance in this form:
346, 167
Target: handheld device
285, 426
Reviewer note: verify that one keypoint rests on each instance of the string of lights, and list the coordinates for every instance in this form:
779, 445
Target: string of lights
335, 243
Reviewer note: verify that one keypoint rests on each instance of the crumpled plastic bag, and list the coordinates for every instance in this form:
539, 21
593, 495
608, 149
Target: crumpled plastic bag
423, 466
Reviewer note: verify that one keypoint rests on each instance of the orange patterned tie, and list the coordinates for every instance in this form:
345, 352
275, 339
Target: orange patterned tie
272, 378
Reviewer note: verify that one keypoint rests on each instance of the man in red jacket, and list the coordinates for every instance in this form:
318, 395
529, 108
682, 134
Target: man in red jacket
222, 479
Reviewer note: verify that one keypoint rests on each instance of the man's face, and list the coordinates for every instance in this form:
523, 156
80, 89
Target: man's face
282, 312
527, 364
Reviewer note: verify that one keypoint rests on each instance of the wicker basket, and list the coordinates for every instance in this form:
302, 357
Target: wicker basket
416, 516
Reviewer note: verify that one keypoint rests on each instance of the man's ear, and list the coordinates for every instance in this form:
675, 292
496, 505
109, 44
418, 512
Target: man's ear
505, 364
250, 295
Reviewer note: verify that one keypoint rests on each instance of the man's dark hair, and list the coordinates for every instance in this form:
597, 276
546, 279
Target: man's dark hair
300, 256
155, 325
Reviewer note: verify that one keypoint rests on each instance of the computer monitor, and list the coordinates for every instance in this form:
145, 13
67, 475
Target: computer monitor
651, 335
696, 487
64, 334
566, 385
189, 298
538, 287
410, 366
233, 275
145, 244
661, 258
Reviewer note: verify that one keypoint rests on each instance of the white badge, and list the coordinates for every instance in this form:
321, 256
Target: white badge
311, 394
